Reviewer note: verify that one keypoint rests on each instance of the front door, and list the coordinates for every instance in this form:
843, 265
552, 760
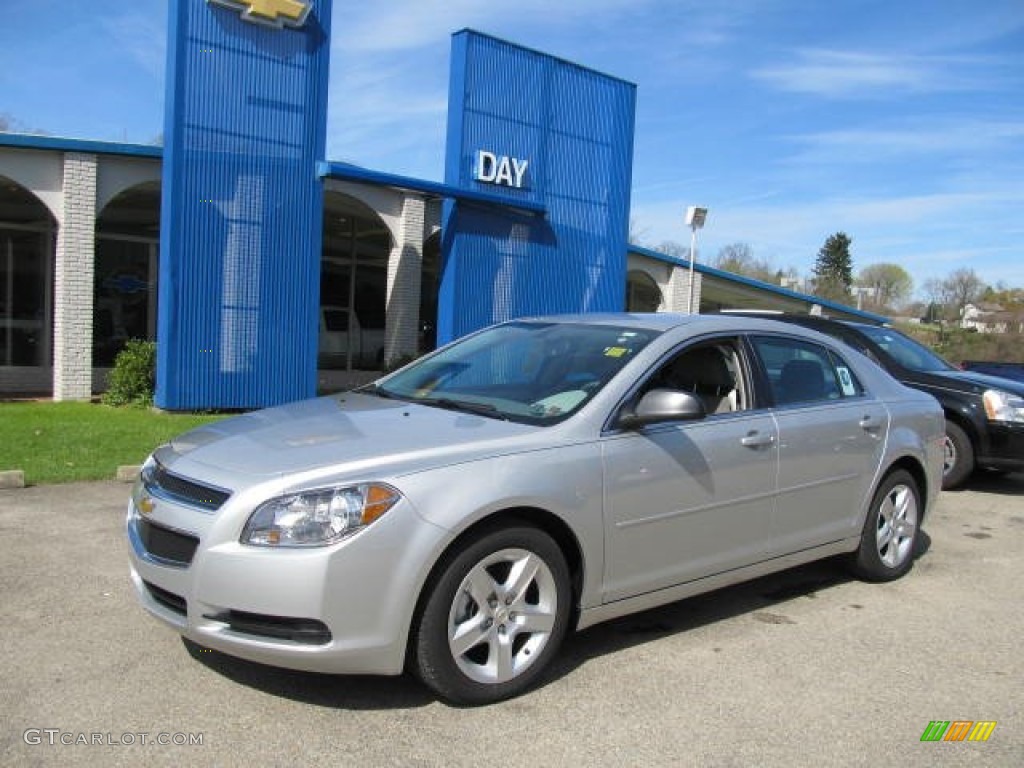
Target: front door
689, 499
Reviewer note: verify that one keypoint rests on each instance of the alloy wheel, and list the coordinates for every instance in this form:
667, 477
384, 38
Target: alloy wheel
502, 616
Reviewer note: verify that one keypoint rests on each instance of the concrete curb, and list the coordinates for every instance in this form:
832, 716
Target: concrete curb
12, 478
128, 473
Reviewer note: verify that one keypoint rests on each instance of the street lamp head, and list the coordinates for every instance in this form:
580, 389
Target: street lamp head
695, 216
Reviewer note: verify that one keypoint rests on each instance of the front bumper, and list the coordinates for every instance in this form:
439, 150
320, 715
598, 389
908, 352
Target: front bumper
345, 608
1005, 448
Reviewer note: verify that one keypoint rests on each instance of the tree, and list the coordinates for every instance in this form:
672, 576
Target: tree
963, 287
10, 124
833, 271
891, 284
637, 233
739, 259
672, 248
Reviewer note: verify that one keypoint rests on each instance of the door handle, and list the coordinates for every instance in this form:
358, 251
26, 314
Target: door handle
870, 423
757, 439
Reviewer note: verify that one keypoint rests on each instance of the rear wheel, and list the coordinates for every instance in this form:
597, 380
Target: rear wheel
889, 537
494, 617
958, 456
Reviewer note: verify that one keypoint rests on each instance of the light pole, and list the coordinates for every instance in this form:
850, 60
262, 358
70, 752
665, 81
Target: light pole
694, 220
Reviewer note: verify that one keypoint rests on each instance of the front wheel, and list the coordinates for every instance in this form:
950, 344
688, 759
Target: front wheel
889, 537
958, 457
494, 617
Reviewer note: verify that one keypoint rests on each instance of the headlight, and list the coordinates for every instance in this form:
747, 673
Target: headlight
142, 501
1003, 406
318, 517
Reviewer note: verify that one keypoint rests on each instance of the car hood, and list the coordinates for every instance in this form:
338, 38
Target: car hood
349, 432
968, 381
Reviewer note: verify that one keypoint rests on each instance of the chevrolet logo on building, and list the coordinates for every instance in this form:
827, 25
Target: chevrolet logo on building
272, 13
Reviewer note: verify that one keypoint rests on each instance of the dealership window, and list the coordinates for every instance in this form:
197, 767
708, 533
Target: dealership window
353, 285
26, 276
126, 267
642, 294
430, 281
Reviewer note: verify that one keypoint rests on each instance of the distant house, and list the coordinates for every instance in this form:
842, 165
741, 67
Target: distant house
991, 318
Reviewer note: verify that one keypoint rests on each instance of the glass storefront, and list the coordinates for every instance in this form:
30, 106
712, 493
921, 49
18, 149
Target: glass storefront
124, 287
430, 283
124, 296
642, 294
26, 274
26, 277
353, 285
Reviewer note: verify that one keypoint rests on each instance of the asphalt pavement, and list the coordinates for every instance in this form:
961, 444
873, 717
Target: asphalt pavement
807, 667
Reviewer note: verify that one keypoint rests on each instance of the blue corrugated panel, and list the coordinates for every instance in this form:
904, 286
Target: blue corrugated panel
574, 128
242, 206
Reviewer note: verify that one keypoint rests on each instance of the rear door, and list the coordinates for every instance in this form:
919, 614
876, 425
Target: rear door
831, 436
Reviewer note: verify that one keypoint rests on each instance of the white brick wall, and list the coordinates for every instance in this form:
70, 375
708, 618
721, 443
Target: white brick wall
405, 266
677, 293
73, 281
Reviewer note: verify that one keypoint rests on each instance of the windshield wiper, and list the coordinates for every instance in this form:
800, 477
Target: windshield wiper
378, 391
482, 409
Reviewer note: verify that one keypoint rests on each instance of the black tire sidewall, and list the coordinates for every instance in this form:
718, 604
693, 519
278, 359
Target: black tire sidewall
432, 659
964, 456
867, 563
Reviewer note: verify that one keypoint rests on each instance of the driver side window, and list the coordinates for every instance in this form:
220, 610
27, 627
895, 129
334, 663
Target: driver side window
711, 371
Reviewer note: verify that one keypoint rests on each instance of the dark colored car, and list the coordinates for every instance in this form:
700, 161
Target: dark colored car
1013, 371
984, 413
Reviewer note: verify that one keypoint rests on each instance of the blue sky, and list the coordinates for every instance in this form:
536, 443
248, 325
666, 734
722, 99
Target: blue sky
900, 122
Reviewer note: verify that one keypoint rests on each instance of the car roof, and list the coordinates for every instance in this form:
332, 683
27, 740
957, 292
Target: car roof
809, 321
665, 321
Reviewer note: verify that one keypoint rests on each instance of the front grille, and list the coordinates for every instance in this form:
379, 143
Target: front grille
167, 599
166, 544
305, 631
164, 483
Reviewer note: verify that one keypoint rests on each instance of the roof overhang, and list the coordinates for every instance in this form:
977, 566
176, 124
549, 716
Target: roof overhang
348, 172
739, 292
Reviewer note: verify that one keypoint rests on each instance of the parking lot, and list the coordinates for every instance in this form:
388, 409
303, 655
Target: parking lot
803, 668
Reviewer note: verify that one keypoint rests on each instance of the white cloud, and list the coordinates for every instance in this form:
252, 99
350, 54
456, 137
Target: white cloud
141, 36
961, 135
844, 74
397, 27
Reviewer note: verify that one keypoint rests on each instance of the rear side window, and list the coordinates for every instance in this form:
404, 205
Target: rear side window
804, 372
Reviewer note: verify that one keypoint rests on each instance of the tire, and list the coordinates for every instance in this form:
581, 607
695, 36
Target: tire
493, 617
958, 461
887, 544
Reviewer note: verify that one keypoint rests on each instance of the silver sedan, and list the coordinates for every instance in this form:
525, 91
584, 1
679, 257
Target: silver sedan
458, 517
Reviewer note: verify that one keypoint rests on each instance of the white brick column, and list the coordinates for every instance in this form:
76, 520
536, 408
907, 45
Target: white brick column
405, 269
73, 281
677, 296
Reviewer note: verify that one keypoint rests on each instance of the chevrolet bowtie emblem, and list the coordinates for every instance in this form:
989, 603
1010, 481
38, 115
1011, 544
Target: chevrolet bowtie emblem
274, 13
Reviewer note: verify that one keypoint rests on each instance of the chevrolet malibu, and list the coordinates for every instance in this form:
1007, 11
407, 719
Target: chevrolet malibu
458, 517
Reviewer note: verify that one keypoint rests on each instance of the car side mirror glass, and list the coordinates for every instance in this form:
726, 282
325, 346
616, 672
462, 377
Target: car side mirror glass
661, 405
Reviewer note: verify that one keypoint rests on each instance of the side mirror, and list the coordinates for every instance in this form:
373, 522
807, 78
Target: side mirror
661, 405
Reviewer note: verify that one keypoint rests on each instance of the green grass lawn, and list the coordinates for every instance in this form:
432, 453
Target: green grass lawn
63, 442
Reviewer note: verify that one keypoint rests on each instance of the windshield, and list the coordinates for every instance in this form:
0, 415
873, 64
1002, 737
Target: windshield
533, 372
905, 350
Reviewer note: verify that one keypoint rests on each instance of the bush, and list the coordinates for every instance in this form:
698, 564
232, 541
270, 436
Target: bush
133, 378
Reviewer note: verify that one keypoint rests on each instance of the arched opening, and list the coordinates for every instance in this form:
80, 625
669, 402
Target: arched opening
124, 286
642, 293
27, 231
353, 285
